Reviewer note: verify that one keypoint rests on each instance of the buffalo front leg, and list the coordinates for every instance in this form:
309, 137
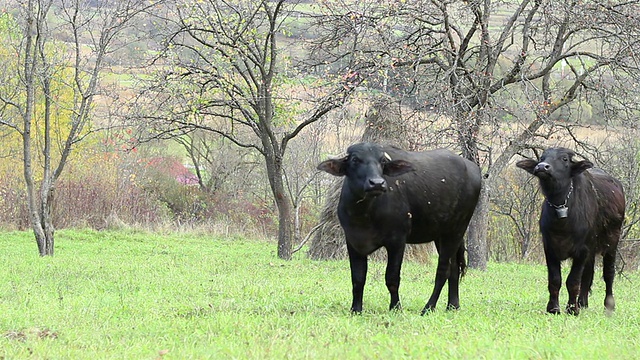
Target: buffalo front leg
554, 281
573, 283
358, 264
392, 275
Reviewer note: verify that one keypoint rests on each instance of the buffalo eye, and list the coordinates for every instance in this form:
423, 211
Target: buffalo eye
565, 159
354, 160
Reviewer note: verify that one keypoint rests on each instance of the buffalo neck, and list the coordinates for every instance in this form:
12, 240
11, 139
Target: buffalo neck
557, 193
357, 207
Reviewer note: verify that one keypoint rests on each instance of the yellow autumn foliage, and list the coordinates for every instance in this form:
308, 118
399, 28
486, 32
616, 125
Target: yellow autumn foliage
61, 98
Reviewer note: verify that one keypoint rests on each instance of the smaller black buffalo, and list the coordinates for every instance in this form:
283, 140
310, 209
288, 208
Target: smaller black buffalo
392, 197
581, 216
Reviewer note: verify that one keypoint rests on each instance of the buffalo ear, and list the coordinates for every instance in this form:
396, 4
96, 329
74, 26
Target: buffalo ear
334, 167
580, 166
396, 167
527, 165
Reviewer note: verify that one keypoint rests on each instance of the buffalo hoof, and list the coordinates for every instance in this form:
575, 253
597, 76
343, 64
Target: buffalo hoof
584, 303
573, 309
553, 309
453, 307
356, 311
610, 303
427, 309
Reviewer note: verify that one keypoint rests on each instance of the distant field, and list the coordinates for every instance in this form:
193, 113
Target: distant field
134, 295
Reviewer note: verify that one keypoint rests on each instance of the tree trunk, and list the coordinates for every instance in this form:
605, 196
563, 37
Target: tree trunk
40, 215
275, 174
477, 231
45, 240
41, 223
479, 226
284, 228
46, 194
468, 126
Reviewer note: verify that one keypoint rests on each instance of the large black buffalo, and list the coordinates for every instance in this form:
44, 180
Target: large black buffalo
392, 197
581, 216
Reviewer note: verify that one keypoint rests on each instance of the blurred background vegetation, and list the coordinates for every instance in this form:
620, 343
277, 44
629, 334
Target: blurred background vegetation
207, 173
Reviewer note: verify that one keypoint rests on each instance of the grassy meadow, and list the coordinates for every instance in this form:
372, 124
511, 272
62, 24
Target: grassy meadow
137, 295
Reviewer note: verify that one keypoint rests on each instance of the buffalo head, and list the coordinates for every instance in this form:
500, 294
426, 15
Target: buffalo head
555, 170
364, 167
556, 164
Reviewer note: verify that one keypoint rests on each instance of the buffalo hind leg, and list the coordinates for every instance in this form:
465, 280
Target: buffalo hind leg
442, 274
608, 273
358, 264
392, 274
587, 281
457, 268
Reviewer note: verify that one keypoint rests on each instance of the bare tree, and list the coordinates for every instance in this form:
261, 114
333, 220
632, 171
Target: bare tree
55, 85
221, 71
216, 161
517, 200
504, 73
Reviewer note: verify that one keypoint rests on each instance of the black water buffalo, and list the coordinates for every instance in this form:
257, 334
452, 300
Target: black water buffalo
392, 197
581, 216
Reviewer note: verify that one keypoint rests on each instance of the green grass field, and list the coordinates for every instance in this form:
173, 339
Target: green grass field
135, 295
